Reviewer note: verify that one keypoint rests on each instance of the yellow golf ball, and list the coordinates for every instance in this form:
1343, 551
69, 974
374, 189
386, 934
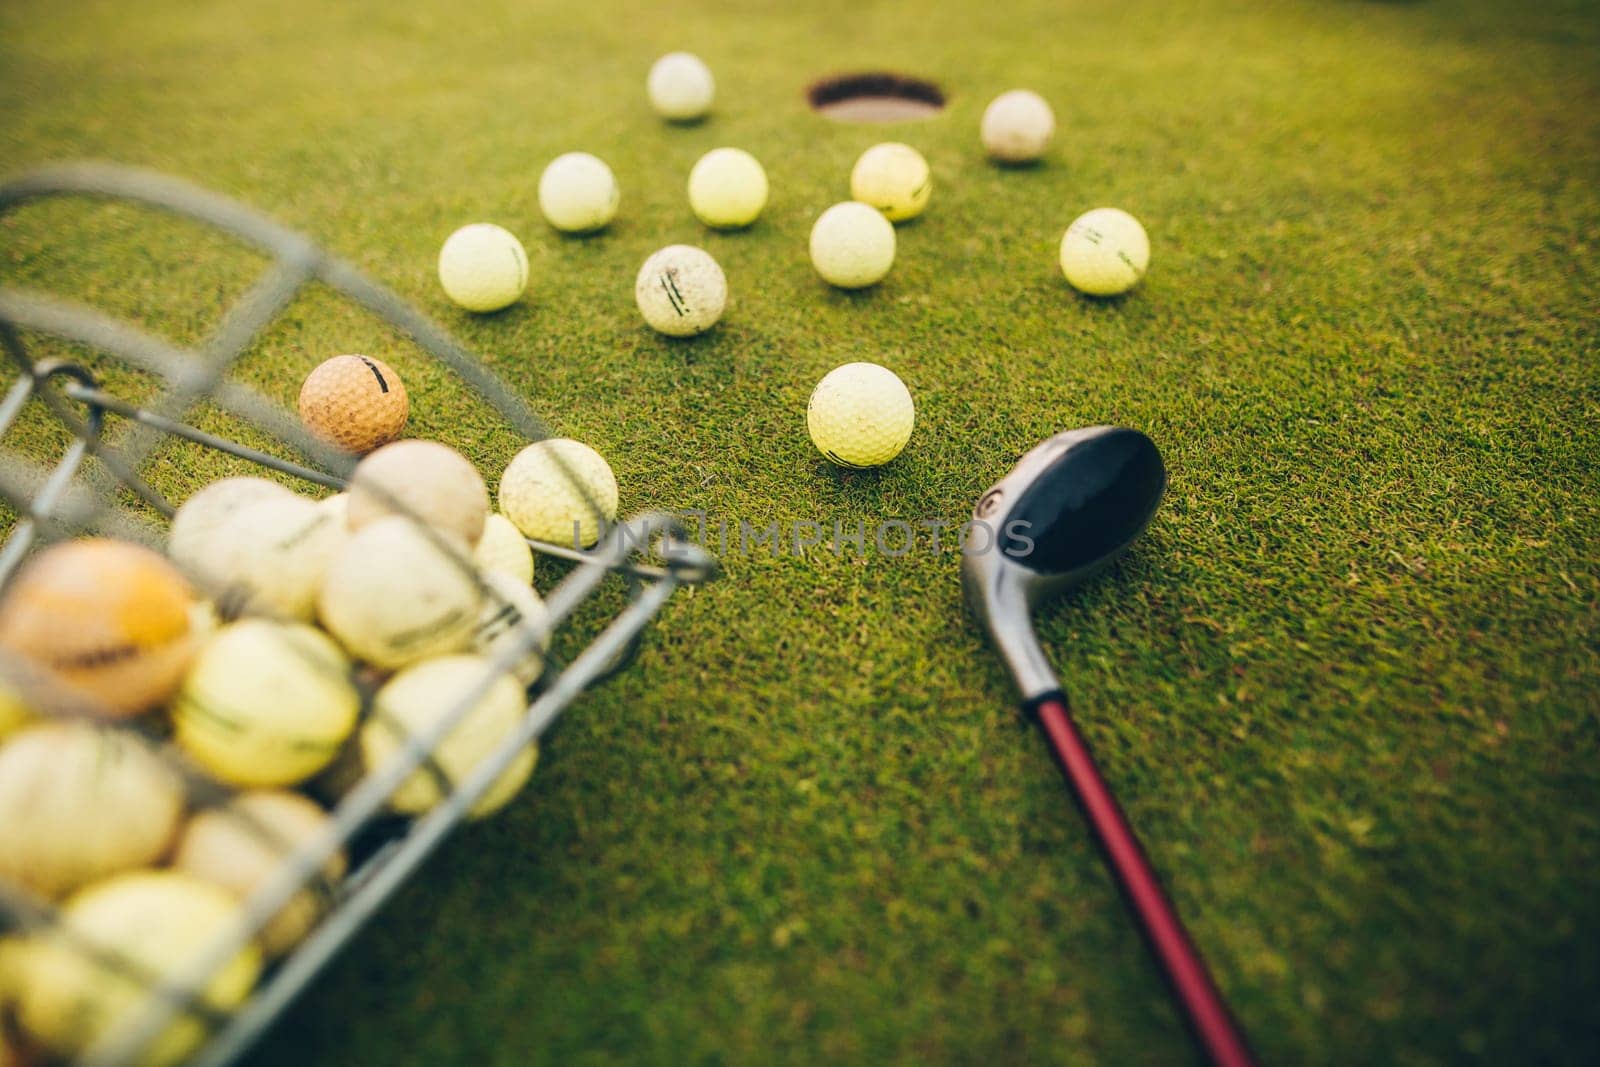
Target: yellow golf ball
894, 178
860, 415
1105, 252
727, 188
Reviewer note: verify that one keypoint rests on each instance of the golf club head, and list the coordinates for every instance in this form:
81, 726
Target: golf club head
1069, 507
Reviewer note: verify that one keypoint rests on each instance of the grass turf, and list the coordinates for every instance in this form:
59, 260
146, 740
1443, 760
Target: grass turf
1346, 686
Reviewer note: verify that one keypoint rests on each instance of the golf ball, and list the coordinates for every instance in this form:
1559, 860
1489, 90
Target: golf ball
240, 845
894, 178
727, 188
509, 607
398, 592
81, 980
578, 193
1017, 126
188, 541
80, 802
355, 403
1105, 252
560, 491
503, 550
860, 415
105, 621
681, 87
681, 291
415, 700
269, 556
266, 704
852, 245
482, 267
424, 480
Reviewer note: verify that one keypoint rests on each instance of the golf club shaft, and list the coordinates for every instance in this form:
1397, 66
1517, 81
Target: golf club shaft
1206, 1013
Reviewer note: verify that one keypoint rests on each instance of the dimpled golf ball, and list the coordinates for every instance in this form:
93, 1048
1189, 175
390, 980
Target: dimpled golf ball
1105, 252
681, 291
681, 87
266, 704
578, 193
424, 480
415, 700
894, 178
239, 846
80, 802
355, 403
852, 245
727, 188
90, 975
860, 415
1017, 126
482, 267
102, 621
398, 592
560, 491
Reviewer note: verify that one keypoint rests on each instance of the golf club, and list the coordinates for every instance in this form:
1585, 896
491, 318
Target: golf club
1064, 512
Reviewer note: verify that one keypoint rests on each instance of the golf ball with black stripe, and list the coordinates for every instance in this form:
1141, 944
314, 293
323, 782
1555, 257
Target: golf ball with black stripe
681, 291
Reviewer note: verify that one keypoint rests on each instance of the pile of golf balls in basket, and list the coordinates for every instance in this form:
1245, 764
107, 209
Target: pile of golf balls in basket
287, 646
857, 417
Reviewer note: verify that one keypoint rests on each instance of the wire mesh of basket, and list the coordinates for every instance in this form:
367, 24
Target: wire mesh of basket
189, 998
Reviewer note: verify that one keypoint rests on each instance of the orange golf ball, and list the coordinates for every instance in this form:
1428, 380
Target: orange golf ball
356, 403
104, 620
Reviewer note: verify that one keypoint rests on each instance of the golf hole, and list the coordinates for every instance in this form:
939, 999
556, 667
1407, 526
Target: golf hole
875, 96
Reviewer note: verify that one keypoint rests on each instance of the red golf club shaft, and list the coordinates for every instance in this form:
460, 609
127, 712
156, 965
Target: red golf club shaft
1197, 994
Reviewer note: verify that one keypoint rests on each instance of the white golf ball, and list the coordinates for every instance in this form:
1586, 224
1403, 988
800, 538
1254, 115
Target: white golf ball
681, 291
509, 608
894, 178
852, 245
269, 556
80, 802
197, 520
860, 415
1104, 252
483, 267
503, 550
559, 491
415, 700
1017, 126
398, 592
727, 188
681, 87
425, 480
578, 193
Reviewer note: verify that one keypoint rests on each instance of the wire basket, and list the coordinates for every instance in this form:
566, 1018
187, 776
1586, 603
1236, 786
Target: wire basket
98, 486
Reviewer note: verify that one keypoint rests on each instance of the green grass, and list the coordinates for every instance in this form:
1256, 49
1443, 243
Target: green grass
1346, 687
